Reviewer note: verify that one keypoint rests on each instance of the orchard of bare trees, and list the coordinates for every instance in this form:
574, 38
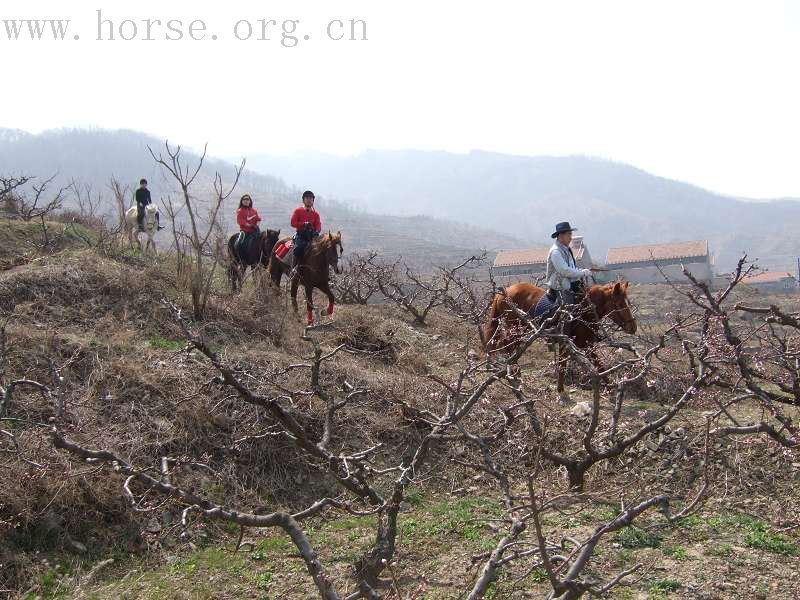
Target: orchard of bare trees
190, 417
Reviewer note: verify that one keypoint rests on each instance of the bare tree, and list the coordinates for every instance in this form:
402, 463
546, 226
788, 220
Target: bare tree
484, 417
39, 203
121, 195
418, 294
358, 281
8, 201
202, 230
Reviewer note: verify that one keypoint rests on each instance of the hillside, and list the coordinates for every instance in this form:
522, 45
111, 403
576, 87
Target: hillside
613, 204
364, 394
93, 156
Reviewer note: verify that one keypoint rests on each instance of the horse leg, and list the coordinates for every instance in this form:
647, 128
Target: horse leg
275, 273
309, 303
598, 365
326, 289
232, 277
295, 283
561, 367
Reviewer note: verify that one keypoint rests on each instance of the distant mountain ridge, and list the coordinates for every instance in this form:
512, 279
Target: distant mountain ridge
613, 204
94, 155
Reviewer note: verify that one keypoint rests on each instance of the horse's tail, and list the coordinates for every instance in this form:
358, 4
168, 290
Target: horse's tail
232, 258
233, 261
272, 260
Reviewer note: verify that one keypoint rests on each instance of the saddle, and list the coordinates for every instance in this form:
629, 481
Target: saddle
243, 244
545, 308
548, 306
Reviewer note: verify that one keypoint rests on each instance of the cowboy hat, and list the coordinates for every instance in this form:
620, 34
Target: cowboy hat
563, 228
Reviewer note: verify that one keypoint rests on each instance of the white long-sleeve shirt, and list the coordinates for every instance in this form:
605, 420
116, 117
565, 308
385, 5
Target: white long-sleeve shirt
561, 267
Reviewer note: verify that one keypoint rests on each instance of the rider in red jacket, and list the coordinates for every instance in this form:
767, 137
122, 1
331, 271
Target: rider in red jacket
248, 219
247, 216
307, 223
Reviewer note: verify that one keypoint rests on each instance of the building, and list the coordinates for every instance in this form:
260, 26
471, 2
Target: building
651, 262
779, 281
531, 264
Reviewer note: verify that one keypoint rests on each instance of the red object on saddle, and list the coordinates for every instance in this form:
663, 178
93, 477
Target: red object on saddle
283, 249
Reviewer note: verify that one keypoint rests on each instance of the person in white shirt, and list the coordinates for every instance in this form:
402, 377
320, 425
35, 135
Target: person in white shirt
564, 278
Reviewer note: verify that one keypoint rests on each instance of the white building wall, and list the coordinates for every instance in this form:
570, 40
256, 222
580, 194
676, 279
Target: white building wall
701, 271
585, 261
783, 286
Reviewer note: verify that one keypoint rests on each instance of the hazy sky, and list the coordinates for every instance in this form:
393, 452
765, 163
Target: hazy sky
703, 91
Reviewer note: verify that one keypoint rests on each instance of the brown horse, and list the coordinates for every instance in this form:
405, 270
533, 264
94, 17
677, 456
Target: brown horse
313, 272
503, 330
258, 253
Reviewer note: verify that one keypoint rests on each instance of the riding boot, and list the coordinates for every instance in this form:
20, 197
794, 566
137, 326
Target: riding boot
568, 302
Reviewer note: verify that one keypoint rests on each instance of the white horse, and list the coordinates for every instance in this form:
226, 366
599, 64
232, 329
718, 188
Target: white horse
150, 223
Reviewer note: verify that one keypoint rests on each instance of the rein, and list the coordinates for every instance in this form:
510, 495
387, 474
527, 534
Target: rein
625, 320
150, 221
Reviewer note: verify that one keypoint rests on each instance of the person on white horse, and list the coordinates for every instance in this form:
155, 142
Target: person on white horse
142, 201
144, 217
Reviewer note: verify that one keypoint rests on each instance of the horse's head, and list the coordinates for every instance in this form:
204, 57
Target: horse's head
611, 300
150, 215
270, 238
333, 250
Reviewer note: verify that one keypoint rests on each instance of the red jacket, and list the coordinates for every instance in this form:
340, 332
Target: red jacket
302, 215
247, 218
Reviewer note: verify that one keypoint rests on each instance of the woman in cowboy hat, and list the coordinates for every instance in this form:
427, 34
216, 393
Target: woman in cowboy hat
564, 278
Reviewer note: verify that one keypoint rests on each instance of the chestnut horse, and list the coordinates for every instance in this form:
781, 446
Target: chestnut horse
320, 255
609, 300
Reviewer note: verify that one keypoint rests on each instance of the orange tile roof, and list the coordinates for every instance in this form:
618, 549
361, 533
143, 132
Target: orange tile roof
676, 250
768, 277
528, 256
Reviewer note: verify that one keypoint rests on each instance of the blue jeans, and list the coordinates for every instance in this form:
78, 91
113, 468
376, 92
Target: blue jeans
301, 240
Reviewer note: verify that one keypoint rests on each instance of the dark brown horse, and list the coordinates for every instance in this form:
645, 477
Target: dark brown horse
503, 330
320, 255
257, 253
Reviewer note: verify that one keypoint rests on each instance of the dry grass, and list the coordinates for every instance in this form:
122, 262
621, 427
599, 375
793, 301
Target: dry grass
135, 389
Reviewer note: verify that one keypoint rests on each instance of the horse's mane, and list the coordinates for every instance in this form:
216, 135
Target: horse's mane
323, 243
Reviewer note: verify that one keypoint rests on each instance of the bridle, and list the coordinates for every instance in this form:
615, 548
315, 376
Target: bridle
337, 249
150, 219
624, 321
